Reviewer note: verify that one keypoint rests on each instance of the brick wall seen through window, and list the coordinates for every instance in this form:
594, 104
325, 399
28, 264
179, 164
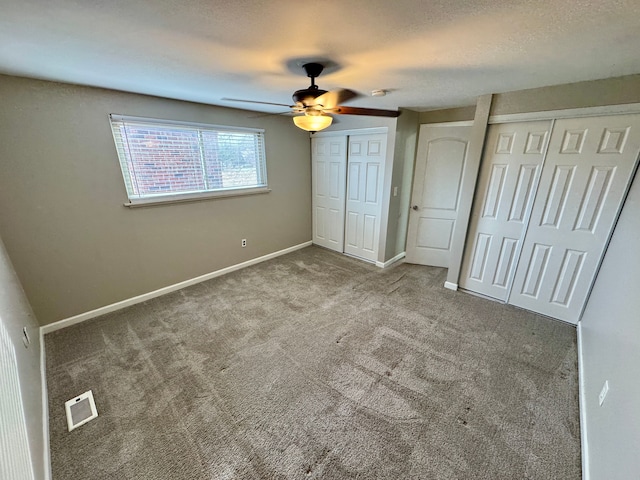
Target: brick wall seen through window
171, 159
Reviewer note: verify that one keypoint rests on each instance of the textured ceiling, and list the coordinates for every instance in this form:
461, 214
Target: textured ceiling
428, 54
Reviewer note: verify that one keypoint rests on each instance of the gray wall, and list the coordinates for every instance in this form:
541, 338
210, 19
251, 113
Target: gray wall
75, 246
610, 340
460, 114
402, 176
15, 313
611, 91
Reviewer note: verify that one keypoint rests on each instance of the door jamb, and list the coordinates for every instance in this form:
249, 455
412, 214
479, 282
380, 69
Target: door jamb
628, 108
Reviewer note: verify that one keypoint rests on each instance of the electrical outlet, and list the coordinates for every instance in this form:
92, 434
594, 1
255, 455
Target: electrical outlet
244, 242
603, 392
25, 337
395, 191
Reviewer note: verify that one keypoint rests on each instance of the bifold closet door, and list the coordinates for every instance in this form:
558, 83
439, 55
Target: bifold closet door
510, 170
329, 167
365, 175
585, 177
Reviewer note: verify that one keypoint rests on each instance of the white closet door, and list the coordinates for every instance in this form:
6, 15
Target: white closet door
329, 166
510, 170
364, 194
442, 152
585, 177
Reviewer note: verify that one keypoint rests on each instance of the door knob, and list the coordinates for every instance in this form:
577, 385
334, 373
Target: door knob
415, 207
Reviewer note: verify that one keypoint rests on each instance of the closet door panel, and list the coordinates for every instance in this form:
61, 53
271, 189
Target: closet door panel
586, 174
508, 177
364, 194
329, 160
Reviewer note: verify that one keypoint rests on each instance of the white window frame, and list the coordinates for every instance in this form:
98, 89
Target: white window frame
185, 196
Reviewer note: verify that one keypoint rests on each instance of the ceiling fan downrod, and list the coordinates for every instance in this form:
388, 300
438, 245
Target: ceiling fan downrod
308, 95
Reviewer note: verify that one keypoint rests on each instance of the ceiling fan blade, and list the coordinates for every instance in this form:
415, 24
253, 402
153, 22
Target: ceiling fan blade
288, 112
335, 97
254, 101
372, 112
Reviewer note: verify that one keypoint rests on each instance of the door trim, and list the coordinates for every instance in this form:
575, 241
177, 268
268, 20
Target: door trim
462, 123
582, 402
357, 131
628, 108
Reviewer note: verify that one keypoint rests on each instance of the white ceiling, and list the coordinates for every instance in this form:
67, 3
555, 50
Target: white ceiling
428, 54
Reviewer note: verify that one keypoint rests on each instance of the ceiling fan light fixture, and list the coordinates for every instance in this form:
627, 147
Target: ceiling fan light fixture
312, 123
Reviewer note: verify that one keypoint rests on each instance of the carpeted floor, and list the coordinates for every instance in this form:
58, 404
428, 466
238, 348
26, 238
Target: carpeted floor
318, 366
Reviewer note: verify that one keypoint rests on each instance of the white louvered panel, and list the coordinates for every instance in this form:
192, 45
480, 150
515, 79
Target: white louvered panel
15, 459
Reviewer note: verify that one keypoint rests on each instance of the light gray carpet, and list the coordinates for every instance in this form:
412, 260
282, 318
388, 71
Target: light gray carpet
318, 366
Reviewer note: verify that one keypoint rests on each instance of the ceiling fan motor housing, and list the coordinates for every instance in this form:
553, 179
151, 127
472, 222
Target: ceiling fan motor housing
308, 95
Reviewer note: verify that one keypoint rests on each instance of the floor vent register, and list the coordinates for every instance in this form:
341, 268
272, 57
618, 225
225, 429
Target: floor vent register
80, 410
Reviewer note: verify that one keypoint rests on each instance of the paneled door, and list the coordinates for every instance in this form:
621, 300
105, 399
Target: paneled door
442, 151
511, 165
586, 175
365, 174
329, 160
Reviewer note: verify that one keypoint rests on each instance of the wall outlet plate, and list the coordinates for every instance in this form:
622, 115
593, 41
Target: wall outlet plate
80, 410
603, 392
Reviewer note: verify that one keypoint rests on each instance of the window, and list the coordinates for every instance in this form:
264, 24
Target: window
164, 160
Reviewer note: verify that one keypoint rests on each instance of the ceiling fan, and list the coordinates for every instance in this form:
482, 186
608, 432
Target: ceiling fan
313, 107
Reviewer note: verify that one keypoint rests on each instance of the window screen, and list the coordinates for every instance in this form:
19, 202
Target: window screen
161, 158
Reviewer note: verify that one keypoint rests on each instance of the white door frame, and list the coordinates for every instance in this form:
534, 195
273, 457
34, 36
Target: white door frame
599, 111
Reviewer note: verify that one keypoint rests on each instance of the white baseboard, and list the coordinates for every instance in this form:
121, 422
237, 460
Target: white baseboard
391, 261
582, 405
67, 322
451, 286
46, 454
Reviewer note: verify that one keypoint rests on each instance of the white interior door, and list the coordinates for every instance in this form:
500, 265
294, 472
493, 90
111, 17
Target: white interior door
329, 167
510, 170
366, 161
440, 159
585, 177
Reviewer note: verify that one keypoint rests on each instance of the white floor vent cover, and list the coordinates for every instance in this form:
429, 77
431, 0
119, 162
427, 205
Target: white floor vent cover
80, 410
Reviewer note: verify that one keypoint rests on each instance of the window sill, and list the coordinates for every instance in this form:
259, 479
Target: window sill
193, 197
